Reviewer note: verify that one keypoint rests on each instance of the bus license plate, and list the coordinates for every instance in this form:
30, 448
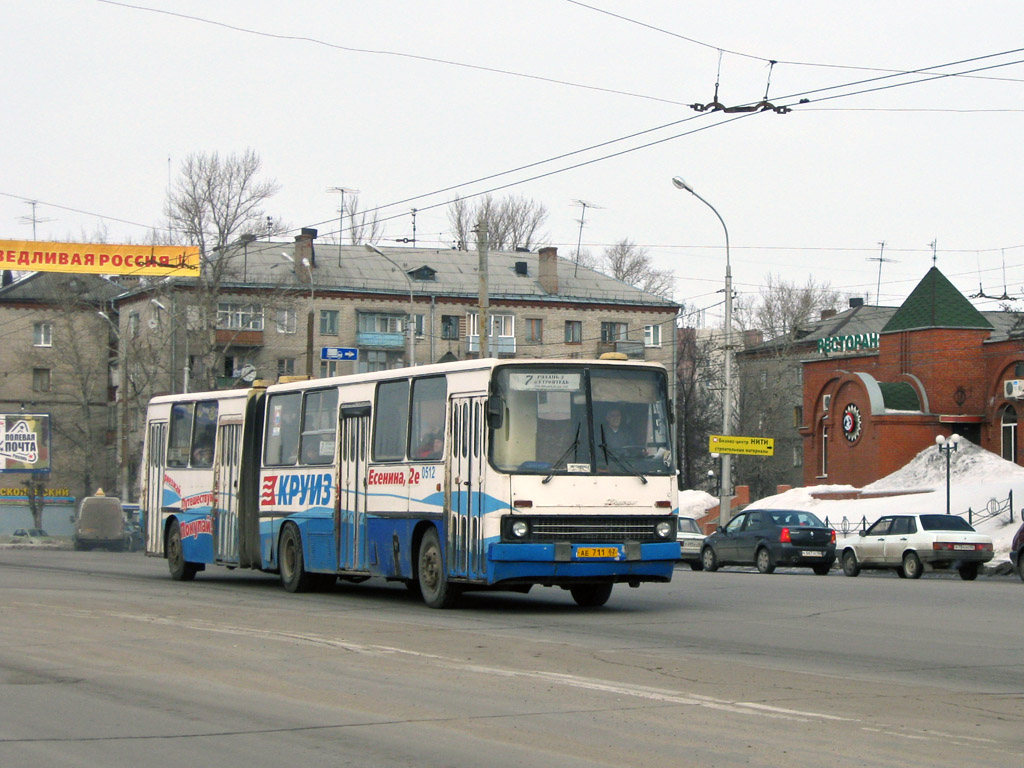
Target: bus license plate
592, 552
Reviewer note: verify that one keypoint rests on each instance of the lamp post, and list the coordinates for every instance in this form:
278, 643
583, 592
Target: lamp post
411, 330
947, 447
122, 391
726, 478
187, 369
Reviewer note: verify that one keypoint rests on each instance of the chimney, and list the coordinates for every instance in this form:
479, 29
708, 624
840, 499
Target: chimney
304, 248
547, 269
827, 313
856, 301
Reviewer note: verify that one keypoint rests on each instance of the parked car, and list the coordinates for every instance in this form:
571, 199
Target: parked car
1017, 551
691, 539
768, 538
912, 544
29, 536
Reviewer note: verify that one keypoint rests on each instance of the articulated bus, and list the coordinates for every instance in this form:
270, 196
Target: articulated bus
482, 474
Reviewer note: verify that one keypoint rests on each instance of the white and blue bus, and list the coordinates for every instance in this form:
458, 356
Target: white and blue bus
483, 474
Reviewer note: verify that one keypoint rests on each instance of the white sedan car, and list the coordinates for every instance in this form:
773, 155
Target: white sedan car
912, 544
691, 539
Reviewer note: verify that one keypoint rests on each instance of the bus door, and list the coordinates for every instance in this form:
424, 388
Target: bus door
224, 506
465, 510
350, 502
156, 463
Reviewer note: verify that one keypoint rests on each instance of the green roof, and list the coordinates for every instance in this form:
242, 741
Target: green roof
936, 303
899, 396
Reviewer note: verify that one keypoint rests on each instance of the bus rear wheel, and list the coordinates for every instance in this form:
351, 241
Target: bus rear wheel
294, 577
437, 591
181, 569
591, 595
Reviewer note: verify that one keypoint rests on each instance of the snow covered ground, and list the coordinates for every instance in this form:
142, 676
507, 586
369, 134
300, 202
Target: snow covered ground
976, 477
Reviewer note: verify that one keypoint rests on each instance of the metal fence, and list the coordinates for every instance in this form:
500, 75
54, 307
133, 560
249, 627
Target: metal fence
994, 508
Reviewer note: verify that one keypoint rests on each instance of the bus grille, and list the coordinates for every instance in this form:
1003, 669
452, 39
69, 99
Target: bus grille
587, 529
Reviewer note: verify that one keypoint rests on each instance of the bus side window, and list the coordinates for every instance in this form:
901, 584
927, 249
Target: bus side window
204, 435
426, 438
319, 423
180, 441
282, 431
391, 421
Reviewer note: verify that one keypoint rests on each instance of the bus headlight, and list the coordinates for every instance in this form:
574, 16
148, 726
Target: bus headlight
520, 529
663, 529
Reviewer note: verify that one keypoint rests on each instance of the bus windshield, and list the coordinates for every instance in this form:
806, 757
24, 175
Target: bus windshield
579, 420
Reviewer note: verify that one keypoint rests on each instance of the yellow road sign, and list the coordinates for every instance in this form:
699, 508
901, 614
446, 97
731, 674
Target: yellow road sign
748, 446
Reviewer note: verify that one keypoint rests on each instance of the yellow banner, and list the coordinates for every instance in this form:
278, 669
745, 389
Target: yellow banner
99, 258
747, 446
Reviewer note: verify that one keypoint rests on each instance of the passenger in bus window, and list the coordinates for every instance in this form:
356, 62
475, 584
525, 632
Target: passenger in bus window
616, 434
431, 448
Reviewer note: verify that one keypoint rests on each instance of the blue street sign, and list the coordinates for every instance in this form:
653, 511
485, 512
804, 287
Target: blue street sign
339, 353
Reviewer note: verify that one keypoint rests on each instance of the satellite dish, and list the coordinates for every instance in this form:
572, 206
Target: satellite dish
152, 323
248, 373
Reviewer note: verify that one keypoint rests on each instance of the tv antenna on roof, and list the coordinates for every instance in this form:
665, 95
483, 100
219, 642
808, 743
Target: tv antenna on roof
33, 219
579, 242
880, 259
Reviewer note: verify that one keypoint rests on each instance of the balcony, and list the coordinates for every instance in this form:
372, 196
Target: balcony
496, 345
239, 338
380, 340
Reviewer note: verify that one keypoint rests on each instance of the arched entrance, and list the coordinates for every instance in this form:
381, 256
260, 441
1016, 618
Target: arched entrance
1008, 434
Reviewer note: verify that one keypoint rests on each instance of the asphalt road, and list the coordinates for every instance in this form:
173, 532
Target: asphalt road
104, 661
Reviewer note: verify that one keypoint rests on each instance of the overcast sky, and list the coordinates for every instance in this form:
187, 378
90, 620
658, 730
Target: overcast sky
412, 102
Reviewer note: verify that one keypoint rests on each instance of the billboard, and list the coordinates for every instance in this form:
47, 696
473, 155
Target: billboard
24, 442
99, 258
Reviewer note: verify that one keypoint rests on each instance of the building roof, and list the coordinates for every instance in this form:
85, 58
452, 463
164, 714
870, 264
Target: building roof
354, 268
60, 287
936, 303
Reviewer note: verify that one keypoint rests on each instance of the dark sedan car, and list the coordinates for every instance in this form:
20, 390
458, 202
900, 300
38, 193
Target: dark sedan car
768, 538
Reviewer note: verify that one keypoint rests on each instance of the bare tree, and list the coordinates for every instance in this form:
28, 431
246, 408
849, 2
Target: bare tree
699, 389
364, 226
513, 222
782, 308
631, 264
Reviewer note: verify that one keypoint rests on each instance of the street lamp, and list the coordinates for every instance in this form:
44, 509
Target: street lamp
411, 331
122, 362
187, 374
724, 497
947, 447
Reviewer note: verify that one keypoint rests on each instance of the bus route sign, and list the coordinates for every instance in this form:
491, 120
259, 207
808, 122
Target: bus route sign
747, 446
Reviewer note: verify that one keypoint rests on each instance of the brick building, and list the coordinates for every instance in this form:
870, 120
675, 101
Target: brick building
938, 366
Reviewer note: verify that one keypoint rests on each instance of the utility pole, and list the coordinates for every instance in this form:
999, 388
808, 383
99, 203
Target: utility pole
485, 302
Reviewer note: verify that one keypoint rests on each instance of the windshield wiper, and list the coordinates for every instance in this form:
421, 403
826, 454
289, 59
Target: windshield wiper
608, 452
572, 447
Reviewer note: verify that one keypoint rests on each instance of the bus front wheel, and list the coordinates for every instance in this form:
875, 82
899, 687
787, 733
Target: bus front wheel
437, 591
181, 569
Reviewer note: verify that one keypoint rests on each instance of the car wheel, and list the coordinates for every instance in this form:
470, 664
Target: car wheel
763, 560
696, 565
1020, 565
912, 567
969, 571
709, 559
900, 572
850, 565
821, 569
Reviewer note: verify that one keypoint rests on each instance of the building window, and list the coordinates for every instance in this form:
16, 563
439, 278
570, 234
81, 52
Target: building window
133, 325
573, 331
42, 334
328, 368
380, 323
449, 327
420, 322
40, 379
612, 332
329, 322
798, 415
798, 456
1009, 434
371, 360
286, 321
763, 378
652, 335
535, 331
501, 325
798, 373
824, 449
239, 317
285, 366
